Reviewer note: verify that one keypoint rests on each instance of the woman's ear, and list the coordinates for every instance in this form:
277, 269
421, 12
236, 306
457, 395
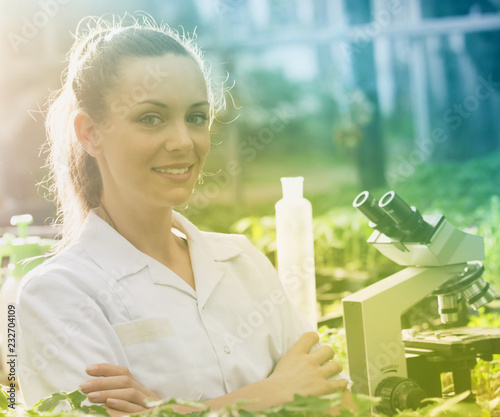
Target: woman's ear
88, 133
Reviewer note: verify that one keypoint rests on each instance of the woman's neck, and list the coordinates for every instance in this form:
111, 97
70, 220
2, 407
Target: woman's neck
148, 229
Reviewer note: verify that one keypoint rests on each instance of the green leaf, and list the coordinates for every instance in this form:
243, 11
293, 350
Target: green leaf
96, 409
312, 404
4, 402
365, 402
446, 405
75, 398
494, 403
168, 401
50, 403
246, 413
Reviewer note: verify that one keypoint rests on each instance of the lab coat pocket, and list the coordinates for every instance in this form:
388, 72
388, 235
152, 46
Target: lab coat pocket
159, 359
144, 330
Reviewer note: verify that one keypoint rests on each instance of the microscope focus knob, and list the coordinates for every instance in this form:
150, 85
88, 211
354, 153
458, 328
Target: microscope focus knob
398, 394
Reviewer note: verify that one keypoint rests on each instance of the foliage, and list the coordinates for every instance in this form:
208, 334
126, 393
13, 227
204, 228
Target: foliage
70, 405
335, 337
485, 319
339, 240
460, 190
489, 228
73, 399
261, 231
486, 380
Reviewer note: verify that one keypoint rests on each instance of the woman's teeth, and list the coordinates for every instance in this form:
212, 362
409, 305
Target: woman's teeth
172, 170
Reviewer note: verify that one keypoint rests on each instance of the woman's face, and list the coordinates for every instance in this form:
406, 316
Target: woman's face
155, 137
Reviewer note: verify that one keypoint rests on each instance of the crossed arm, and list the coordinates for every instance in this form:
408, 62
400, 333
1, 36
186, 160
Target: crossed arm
297, 372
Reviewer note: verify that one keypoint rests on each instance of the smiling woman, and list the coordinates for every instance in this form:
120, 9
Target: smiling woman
137, 297
152, 157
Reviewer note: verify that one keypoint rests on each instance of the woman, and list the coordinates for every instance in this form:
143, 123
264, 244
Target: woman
158, 308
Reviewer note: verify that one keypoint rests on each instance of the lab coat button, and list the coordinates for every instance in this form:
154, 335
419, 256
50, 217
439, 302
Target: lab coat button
227, 350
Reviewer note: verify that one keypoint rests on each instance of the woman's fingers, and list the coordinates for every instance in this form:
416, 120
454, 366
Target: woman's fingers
130, 395
107, 369
115, 382
339, 384
99, 389
113, 377
124, 406
330, 368
109, 383
322, 354
305, 343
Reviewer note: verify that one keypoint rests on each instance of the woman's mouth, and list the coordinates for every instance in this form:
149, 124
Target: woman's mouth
172, 170
177, 173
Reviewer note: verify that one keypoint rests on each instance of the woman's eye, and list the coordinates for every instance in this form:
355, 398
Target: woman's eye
198, 119
150, 120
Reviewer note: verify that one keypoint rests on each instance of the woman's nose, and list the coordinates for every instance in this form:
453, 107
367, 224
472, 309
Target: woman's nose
178, 138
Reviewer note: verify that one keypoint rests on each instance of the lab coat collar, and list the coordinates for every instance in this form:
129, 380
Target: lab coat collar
208, 252
210, 243
110, 250
116, 255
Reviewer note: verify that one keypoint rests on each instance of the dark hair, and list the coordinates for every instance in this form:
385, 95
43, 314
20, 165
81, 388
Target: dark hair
93, 62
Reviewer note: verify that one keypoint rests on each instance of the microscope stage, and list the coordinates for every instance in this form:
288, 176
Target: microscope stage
451, 342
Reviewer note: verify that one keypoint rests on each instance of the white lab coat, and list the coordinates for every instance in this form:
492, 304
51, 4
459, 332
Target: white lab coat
102, 300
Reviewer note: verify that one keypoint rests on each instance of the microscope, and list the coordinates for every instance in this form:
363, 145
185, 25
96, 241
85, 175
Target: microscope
404, 367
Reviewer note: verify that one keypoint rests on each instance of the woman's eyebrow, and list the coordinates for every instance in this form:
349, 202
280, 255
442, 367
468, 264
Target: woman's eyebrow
200, 103
154, 102
160, 104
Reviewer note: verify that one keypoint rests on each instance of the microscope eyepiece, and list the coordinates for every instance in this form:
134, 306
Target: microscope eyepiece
407, 219
379, 219
395, 207
368, 205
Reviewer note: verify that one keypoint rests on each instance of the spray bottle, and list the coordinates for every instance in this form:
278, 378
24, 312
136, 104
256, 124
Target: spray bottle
17, 249
295, 247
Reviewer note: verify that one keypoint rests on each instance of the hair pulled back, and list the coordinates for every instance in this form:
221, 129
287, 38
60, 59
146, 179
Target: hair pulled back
100, 47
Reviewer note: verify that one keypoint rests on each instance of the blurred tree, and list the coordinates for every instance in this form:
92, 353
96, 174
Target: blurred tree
305, 110
484, 51
470, 61
370, 152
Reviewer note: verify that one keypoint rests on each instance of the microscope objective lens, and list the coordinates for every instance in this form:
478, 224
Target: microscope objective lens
448, 307
478, 293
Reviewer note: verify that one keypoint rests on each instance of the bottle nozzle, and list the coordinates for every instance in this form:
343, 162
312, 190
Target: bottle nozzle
292, 187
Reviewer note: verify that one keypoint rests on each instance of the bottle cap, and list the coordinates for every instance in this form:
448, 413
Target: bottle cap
292, 187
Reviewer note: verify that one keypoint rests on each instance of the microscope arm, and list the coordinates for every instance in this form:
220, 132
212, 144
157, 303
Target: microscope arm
372, 320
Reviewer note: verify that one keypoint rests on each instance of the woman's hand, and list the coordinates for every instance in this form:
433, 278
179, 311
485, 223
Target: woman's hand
297, 372
118, 389
304, 373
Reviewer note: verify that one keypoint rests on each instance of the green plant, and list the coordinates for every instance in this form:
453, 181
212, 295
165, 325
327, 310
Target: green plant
339, 240
63, 404
335, 337
70, 405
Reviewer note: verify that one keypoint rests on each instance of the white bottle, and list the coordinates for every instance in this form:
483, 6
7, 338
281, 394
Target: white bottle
295, 247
